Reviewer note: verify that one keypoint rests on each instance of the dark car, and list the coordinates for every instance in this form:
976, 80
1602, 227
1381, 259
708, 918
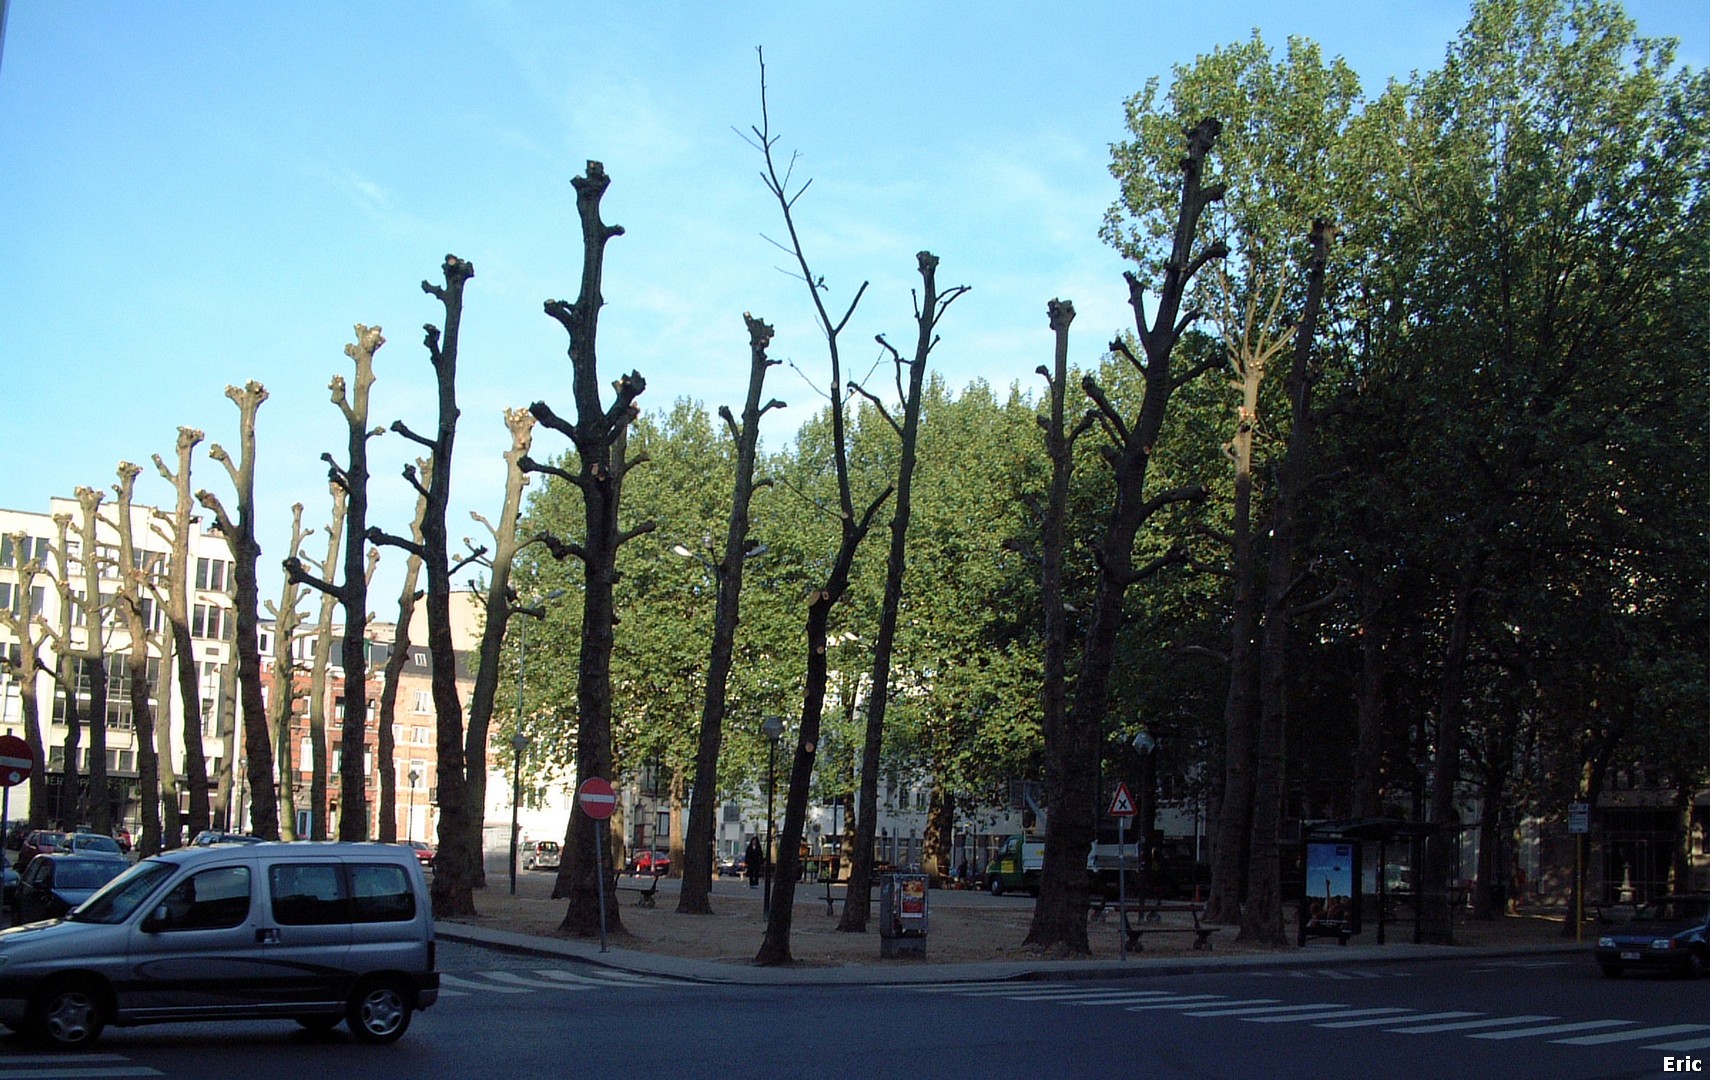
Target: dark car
735, 866
1669, 934
93, 844
210, 837
54, 884
39, 842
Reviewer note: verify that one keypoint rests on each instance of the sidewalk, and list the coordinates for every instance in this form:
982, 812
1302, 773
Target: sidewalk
971, 937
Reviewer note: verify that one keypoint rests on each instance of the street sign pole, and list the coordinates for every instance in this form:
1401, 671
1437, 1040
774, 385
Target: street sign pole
1122, 808
597, 799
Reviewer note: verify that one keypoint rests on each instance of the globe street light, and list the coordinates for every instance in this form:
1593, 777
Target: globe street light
773, 726
410, 818
519, 744
519, 741
1148, 747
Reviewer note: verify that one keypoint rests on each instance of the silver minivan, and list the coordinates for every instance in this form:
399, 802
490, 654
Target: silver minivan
313, 932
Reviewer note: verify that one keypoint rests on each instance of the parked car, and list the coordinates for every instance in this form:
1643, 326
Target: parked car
210, 837
38, 842
733, 866
652, 862
87, 843
16, 833
424, 852
10, 895
540, 855
54, 884
123, 836
1671, 933
316, 933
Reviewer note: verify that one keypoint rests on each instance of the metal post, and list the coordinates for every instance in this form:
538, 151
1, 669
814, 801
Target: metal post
773, 727
1121, 886
519, 744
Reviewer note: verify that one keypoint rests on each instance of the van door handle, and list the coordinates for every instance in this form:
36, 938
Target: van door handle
267, 936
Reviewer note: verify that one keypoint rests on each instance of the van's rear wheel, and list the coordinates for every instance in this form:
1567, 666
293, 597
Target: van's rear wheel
996, 886
379, 1011
68, 1014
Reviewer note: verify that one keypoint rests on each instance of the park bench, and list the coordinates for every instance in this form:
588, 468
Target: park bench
645, 892
1148, 919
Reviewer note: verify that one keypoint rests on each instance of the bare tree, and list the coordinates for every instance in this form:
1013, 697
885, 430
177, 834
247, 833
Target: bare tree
100, 802
703, 801
501, 605
1072, 753
24, 622
352, 591
320, 657
134, 572
1251, 341
930, 306
385, 751
599, 435
66, 667
852, 529
287, 617
177, 605
240, 538
451, 896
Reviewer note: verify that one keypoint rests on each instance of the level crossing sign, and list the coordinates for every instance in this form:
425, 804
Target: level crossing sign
1122, 804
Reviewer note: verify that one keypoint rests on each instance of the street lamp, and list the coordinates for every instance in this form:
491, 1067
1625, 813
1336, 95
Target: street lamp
519, 744
519, 741
1147, 746
410, 818
773, 726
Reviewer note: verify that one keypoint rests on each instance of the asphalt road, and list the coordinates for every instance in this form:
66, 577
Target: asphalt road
509, 1016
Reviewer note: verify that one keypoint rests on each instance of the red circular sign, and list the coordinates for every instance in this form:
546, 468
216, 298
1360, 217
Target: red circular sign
16, 761
597, 798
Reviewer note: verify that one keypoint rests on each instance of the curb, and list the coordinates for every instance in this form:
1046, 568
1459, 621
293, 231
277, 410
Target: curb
715, 973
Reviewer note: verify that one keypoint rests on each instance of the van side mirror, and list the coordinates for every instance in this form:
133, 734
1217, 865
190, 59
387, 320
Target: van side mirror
155, 921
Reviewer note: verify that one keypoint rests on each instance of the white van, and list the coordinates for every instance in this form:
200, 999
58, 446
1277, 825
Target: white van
311, 932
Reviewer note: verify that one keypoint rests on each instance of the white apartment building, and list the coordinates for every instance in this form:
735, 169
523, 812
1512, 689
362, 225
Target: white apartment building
26, 536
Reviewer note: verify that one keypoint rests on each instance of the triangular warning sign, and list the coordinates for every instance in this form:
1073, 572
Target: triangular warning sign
1123, 804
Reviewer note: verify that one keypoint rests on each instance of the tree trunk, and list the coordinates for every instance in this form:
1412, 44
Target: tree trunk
930, 311
240, 538
178, 622
133, 579
694, 898
395, 661
320, 661
99, 805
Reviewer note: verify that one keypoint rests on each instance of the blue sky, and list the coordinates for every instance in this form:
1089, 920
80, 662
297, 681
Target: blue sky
197, 194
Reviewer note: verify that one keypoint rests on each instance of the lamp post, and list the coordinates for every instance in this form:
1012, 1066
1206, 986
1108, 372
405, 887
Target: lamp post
1147, 746
519, 741
773, 727
410, 818
519, 744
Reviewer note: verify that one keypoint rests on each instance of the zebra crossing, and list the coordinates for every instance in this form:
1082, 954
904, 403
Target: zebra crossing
503, 982
1334, 1015
1333, 973
70, 1067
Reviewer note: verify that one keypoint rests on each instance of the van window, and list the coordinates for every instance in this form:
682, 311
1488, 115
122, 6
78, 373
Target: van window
308, 894
380, 893
211, 900
122, 895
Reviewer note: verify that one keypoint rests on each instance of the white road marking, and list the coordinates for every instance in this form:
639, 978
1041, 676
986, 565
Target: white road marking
1553, 1029
1329, 1015
1394, 1020
1261, 1010
1633, 1036
470, 984
1470, 1025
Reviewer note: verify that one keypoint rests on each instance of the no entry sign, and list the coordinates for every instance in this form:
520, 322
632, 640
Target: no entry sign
16, 761
597, 798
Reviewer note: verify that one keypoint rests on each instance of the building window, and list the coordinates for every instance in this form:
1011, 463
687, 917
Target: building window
424, 702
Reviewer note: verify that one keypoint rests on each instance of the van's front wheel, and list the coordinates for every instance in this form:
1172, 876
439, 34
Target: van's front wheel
379, 1011
68, 1015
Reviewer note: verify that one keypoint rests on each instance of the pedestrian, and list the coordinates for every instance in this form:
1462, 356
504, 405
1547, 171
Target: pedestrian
754, 857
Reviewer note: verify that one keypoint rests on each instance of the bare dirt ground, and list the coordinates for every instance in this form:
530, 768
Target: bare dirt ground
963, 927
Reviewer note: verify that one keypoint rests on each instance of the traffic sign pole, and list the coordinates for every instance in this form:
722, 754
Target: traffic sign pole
597, 799
1122, 808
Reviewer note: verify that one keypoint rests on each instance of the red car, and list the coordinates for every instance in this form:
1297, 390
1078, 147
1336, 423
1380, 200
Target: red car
424, 853
652, 862
39, 842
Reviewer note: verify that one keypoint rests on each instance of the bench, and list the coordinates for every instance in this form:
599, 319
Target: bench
834, 891
1148, 919
644, 893
1201, 939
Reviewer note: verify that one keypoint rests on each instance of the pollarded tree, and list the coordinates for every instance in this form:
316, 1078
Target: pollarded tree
1072, 750
320, 657
598, 435
21, 618
177, 608
239, 533
287, 617
451, 894
351, 593
135, 573
395, 661
698, 844
94, 656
